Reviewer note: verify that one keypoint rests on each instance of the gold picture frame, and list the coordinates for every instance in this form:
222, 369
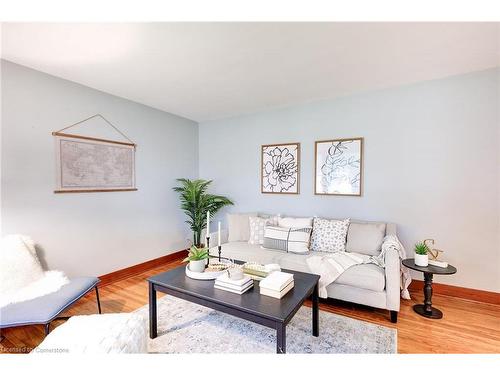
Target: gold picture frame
280, 168
341, 167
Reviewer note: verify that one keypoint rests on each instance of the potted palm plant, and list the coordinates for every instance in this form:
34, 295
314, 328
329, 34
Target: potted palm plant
421, 257
196, 202
197, 258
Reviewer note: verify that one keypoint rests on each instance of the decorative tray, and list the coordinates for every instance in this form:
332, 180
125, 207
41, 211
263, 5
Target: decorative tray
212, 275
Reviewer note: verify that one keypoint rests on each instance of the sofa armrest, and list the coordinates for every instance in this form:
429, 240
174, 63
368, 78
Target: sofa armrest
392, 279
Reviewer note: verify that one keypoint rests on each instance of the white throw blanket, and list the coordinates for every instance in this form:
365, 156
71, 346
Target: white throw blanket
392, 242
331, 266
21, 275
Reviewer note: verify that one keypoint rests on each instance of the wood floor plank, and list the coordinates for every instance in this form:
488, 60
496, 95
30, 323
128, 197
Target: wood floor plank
467, 326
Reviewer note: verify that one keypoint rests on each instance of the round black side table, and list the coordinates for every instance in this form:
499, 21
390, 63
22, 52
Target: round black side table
426, 309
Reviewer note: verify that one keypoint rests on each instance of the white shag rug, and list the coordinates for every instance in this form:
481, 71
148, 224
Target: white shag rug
185, 327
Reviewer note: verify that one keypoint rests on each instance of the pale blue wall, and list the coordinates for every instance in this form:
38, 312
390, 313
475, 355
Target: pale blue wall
431, 164
91, 233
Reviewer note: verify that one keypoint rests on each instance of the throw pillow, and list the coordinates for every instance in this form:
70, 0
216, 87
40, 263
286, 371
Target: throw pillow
22, 277
329, 235
293, 240
295, 222
257, 227
19, 264
272, 220
365, 238
238, 227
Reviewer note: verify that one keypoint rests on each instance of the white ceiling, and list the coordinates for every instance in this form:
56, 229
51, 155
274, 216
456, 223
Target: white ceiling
206, 71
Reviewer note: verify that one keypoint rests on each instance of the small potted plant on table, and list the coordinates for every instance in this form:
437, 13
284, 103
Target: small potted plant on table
197, 258
421, 257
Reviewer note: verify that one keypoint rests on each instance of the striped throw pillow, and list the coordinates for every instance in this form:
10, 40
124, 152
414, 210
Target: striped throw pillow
293, 240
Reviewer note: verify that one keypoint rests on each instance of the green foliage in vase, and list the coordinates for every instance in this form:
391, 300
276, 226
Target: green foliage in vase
196, 253
196, 202
421, 248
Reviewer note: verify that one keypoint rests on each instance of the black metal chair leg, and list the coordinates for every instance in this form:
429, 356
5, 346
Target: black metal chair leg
98, 301
47, 328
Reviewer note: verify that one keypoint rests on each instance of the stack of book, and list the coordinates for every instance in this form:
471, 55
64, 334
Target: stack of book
255, 271
438, 263
223, 282
259, 271
277, 284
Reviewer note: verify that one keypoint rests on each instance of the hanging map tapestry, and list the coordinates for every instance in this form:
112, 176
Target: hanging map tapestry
84, 164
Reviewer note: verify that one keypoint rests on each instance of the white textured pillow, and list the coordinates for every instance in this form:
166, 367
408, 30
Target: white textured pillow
295, 222
293, 240
257, 227
238, 226
329, 235
272, 220
19, 265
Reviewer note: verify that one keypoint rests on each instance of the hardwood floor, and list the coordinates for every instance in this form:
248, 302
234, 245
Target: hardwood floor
467, 326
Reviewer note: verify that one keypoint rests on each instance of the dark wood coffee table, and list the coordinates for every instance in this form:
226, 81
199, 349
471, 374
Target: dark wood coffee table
252, 306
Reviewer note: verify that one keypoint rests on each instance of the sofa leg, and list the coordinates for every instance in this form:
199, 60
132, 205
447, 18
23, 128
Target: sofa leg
47, 328
394, 316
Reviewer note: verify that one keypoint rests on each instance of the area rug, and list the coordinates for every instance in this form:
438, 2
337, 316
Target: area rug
185, 327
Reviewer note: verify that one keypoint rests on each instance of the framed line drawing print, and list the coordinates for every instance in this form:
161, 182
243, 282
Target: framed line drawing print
339, 167
280, 168
85, 164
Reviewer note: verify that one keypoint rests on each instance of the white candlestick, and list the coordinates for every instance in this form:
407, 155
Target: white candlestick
218, 242
208, 224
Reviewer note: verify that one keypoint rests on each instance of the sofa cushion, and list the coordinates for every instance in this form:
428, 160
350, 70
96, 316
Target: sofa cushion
363, 276
295, 222
365, 238
250, 253
239, 227
294, 240
329, 235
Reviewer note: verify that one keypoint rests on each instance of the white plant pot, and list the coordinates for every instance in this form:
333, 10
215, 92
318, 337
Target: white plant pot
197, 265
421, 260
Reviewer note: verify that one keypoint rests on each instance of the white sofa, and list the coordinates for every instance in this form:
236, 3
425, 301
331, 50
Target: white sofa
366, 284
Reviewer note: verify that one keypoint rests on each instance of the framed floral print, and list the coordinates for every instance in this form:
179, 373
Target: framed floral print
339, 167
280, 168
